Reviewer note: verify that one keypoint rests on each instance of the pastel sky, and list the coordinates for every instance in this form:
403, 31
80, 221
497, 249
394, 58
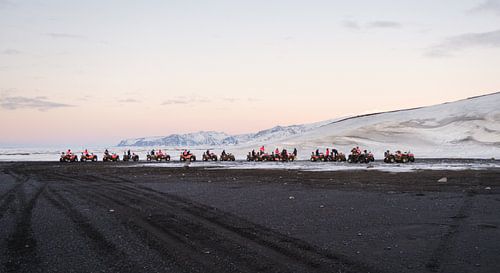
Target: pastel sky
94, 72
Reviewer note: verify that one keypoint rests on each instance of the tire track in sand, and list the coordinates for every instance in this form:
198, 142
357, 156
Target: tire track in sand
111, 255
7, 198
228, 235
435, 263
21, 244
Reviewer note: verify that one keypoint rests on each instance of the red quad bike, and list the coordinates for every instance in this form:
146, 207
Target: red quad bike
266, 157
88, 157
187, 157
68, 158
158, 157
320, 157
110, 157
369, 157
132, 157
211, 156
404, 157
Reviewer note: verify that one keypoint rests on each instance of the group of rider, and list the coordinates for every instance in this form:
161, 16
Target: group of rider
276, 152
283, 153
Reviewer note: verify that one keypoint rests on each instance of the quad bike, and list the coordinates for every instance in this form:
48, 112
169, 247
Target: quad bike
266, 157
320, 157
339, 157
111, 157
68, 158
251, 157
187, 157
389, 158
157, 157
260, 157
355, 158
404, 157
369, 157
360, 158
227, 157
88, 157
132, 157
210, 156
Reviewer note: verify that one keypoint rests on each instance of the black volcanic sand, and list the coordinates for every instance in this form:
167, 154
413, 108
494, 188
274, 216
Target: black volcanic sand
99, 217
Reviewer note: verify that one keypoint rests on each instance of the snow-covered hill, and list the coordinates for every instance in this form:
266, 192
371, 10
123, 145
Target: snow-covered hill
193, 139
468, 128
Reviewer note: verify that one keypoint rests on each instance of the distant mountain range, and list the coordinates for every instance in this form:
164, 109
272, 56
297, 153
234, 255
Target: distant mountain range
468, 128
212, 138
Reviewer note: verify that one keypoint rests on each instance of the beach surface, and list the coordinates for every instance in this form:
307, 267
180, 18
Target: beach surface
119, 217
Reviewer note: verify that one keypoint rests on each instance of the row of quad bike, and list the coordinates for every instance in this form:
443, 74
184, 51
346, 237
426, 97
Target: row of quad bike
364, 157
150, 157
283, 157
93, 157
340, 157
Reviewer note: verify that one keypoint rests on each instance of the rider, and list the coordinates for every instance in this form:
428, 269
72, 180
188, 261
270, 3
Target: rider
317, 152
335, 152
284, 153
223, 152
387, 153
153, 152
262, 150
277, 151
106, 152
295, 151
128, 152
327, 154
68, 152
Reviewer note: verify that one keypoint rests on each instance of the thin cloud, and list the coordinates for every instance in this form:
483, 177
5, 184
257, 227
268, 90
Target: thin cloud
354, 25
351, 24
488, 6
64, 35
234, 100
129, 100
384, 24
38, 103
11, 51
464, 41
185, 100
